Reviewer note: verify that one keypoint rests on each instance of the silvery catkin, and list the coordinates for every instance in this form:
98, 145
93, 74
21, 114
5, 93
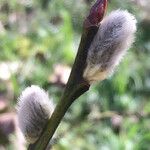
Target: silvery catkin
114, 37
34, 110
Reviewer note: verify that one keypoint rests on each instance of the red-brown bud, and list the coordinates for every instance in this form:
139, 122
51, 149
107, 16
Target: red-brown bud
96, 13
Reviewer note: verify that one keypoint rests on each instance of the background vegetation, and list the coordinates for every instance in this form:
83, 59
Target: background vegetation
38, 43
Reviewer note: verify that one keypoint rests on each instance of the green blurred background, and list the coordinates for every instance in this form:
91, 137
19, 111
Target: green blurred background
38, 44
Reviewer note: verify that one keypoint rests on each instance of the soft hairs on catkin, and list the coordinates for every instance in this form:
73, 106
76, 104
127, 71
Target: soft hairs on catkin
114, 37
34, 110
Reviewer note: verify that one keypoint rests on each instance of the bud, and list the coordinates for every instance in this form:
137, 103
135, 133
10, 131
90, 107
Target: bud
96, 13
115, 35
34, 110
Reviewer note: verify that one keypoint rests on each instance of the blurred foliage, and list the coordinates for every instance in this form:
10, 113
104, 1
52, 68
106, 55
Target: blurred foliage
114, 114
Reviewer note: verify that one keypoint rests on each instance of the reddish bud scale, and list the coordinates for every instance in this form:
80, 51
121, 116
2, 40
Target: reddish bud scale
96, 13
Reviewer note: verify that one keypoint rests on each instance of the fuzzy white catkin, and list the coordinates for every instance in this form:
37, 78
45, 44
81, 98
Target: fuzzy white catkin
113, 39
34, 109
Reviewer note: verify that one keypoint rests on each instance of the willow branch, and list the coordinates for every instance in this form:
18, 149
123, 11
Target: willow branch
76, 84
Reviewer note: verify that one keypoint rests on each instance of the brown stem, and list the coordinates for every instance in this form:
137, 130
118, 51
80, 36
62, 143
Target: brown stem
75, 87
